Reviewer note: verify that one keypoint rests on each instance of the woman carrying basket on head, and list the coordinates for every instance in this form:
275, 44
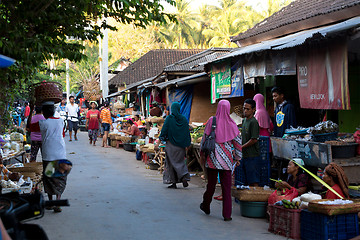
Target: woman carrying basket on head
220, 161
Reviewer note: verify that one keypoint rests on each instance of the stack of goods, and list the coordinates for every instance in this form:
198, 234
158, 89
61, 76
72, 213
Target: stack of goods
92, 90
46, 91
11, 145
299, 133
324, 131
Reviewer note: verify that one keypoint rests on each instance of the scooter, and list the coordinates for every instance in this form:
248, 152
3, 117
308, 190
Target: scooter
63, 116
16, 208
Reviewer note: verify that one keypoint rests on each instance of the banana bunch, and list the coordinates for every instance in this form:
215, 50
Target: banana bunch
290, 205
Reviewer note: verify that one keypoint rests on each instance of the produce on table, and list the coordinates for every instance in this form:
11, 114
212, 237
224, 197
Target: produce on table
324, 127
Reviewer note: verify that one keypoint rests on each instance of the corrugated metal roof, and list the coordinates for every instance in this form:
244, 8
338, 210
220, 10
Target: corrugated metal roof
179, 80
187, 64
293, 39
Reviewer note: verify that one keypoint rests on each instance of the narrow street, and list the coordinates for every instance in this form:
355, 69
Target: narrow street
113, 196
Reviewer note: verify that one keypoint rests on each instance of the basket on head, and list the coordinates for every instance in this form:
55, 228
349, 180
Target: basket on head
47, 91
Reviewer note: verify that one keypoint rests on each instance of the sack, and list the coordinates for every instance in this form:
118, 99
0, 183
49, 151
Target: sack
208, 144
290, 194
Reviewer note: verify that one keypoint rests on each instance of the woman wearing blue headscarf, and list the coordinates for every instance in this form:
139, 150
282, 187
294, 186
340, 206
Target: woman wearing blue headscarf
177, 136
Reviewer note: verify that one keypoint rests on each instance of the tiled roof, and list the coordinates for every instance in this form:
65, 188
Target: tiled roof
298, 11
151, 65
187, 64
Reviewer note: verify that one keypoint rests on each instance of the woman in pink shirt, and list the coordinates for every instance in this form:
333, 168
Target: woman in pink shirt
36, 140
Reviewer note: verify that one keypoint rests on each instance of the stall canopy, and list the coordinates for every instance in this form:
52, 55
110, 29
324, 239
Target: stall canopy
195, 78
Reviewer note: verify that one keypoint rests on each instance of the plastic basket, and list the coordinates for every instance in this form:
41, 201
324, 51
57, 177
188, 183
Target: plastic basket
320, 226
325, 137
285, 222
264, 165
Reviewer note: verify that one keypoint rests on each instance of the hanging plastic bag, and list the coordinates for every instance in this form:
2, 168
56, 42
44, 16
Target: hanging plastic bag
289, 194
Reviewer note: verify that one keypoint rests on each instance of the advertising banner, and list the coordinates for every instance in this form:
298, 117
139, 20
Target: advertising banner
220, 80
237, 82
323, 77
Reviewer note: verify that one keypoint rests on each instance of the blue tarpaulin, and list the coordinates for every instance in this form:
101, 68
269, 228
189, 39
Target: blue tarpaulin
183, 96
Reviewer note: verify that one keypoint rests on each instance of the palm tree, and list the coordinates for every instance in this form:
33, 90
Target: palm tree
229, 20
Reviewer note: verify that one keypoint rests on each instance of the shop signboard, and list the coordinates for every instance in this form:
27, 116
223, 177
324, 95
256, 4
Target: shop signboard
237, 83
220, 80
323, 77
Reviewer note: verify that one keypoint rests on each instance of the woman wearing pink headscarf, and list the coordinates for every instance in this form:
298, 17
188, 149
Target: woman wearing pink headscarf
262, 116
220, 162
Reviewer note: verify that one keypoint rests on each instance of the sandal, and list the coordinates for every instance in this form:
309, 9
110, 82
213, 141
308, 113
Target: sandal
57, 209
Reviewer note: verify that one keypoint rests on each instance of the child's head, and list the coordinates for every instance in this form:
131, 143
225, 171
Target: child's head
249, 108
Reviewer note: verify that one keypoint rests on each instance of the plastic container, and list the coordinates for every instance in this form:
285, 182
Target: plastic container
264, 165
344, 151
128, 147
253, 209
138, 155
324, 137
323, 227
285, 222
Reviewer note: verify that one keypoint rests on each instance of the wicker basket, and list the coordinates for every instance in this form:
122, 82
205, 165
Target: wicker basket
253, 195
47, 91
330, 210
157, 120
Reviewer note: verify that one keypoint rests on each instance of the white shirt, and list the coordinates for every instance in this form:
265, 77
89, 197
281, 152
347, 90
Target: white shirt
53, 144
72, 111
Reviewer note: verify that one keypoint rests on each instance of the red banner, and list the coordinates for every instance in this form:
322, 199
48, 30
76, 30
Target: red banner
323, 77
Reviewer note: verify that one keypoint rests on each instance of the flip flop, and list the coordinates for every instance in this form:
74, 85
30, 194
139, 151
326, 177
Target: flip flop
70, 140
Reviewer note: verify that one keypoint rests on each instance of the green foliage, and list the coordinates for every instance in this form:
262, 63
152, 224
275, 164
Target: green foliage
33, 32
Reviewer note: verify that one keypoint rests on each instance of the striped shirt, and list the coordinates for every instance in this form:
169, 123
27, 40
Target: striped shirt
105, 116
222, 157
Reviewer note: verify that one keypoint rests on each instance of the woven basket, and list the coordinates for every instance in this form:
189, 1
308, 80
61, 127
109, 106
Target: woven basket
157, 120
330, 210
47, 91
125, 139
253, 195
118, 137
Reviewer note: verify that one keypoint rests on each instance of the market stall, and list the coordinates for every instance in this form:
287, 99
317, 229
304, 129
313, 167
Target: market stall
320, 147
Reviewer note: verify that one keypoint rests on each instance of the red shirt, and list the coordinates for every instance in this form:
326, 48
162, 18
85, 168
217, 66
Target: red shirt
331, 195
27, 111
93, 116
134, 130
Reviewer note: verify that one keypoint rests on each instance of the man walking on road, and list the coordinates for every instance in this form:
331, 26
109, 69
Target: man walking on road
72, 110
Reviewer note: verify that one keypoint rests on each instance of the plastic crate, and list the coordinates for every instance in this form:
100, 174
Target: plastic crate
320, 226
285, 222
264, 165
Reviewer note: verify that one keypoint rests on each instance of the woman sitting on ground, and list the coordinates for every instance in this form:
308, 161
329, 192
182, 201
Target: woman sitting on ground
335, 177
296, 179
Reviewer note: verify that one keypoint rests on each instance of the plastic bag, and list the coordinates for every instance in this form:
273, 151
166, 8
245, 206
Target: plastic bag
290, 194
